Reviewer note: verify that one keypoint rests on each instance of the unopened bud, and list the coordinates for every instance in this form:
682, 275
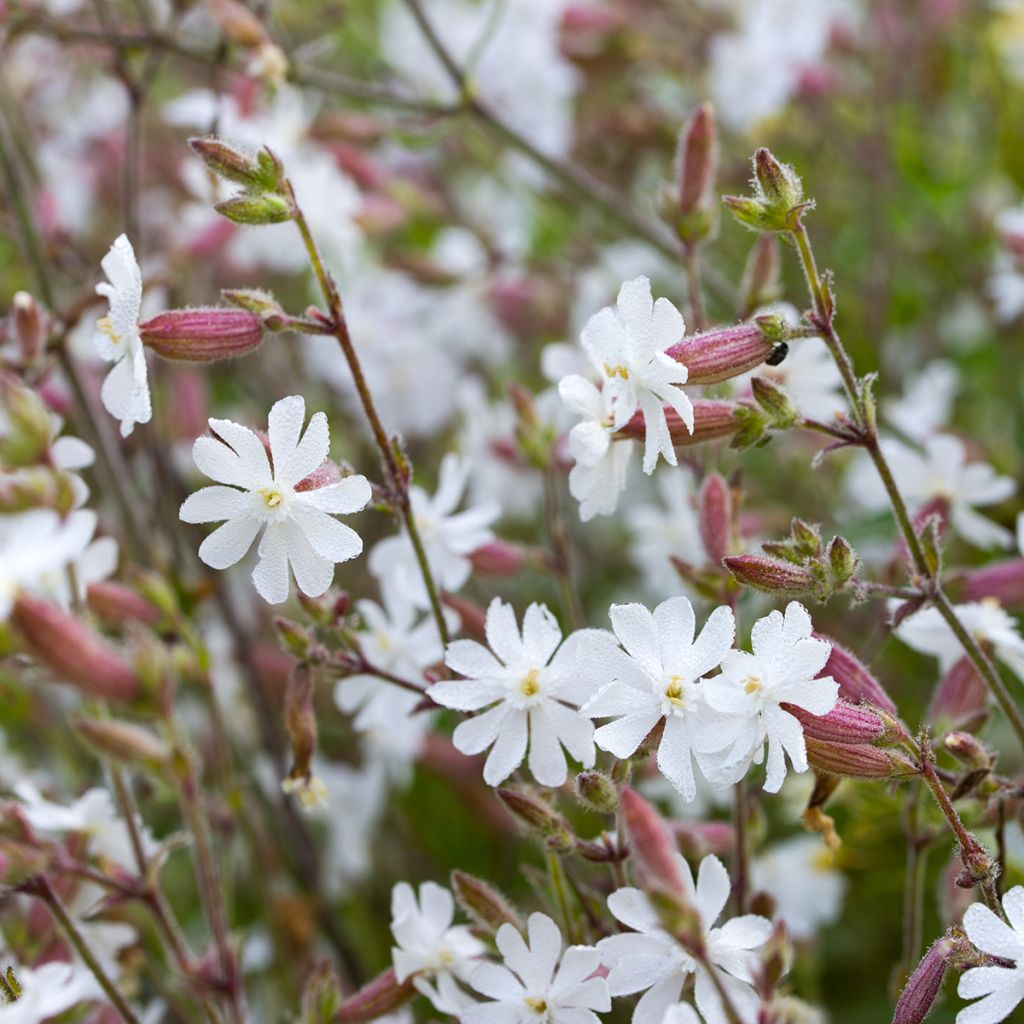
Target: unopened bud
856, 683
770, 575
715, 356
653, 849
321, 996
539, 818
300, 723
499, 558
254, 300
36, 487
760, 284
597, 791
845, 723
923, 985
693, 214
778, 182
25, 427
857, 761
714, 509
294, 637
377, 998
116, 604
233, 163
126, 743
961, 698
1004, 581
483, 903
780, 408
968, 751
778, 196
73, 652
267, 208
202, 335
696, 839
776, 957
29, 327
842, 561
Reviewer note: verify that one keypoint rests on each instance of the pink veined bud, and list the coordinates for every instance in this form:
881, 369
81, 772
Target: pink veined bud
857, 760
856, 683
117, 604
715, 516
383, 995
1004, 581
652, 848
29, 330
697, 158
499, 558
699, 838
472, 615
483, 902
202, 335
74, 653
845, 723
968, 751
770, 575
712, 420
923, 985
961, 697
719, 355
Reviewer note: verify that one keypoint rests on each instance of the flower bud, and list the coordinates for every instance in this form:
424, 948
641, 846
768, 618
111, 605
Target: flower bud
1004, 581
968, 751
266, 208
776, 958
714, 510
856, 683
202, 335
499, 558
472, 615
691, 211
375, 999
961, 697
718, 355
778, 182
857, 761
483, 903
295, 638
923, 985
597, 791
231, 162
29, 327
696, 839
254, 300
760, 284
321, 995
654, 851
539, 818
36, 487
842, 561
845, 723
770, 575
772, 398
73, 652
126, 743
778, 197
116, 605
25, 427
300, 723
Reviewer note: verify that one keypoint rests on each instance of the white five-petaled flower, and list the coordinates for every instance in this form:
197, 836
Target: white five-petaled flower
448, 537
254, 491
125, 392
50, 990
431, 950
599, 473
1001, 988
539, 983
783, 669
627, 346
652, 961
531, 690
658, 677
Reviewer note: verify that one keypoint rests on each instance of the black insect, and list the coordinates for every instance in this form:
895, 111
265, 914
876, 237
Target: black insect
778, 354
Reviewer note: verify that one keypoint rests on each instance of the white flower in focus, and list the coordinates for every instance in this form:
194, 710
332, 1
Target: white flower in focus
539, 983
627, 346
650, 960
429, 948
939, 474
532, 695
986, 620
658, 677
783, 669
125, 392
926, 403
449, 537
1001, 988
50, 990
36, 545
801, 877
599, 475
253, 492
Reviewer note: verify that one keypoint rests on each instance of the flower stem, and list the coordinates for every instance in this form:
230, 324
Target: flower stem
559, 885
694, 287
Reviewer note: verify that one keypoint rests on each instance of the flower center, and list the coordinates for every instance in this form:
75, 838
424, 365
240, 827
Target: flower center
445, 957
528, 685
538, 1005
106, 326
753, 685
619, 370
272, 497
674, 691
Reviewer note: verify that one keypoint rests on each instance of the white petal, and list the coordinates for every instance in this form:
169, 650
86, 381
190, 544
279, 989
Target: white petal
343, 498
313, 572
508, 751
271, 573
212, 504
228, 543
329, 539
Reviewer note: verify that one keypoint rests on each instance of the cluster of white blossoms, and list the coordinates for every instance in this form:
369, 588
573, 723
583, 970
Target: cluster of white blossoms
536, 694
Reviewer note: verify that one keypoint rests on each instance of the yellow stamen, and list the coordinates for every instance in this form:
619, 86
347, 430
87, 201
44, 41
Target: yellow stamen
674, 691
106, 325
617, 371
529, 686
753, 685
535, 1004
272, 497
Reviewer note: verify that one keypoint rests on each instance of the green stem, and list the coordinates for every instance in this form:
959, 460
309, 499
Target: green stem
559, 885
694, 287
560, 550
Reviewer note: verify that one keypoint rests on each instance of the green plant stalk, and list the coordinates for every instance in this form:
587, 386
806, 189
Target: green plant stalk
559, 885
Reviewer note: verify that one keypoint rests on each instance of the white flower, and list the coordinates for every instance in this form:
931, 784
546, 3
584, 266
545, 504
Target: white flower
531, 692
927, 631
300, 530
658, 677
926, 403
448, 537
95, 562
783, 669
627, 346
801, 877
599, 474
1001, 988
939, 474
37, 544
539, 984
125, 392
429, 947
48, 991
651, 961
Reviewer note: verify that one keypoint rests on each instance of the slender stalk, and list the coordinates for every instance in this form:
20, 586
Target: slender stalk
913, 893
694, 287
741, 865
397, 475
559, 885
561, 550
40, 886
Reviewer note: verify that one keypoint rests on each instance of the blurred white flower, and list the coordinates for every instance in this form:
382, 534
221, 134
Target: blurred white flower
530, 686
810, 377
448, 537
925, 406
538, 981
125, 392
50, 990
1001, 987
300, 528
658, 678
650, 960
